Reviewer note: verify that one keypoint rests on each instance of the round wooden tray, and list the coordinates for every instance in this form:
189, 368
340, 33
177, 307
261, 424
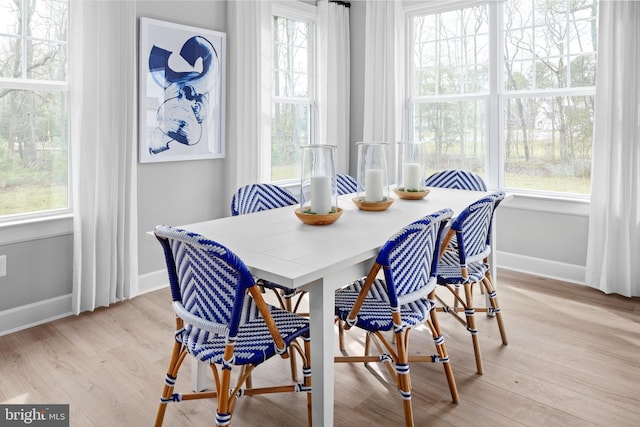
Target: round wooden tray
316, 219
411, 195
372, 206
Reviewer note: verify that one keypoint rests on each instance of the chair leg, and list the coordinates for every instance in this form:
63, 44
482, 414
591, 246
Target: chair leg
403, 376
471, 326
177, 356
292, 356
441, 348
495, 306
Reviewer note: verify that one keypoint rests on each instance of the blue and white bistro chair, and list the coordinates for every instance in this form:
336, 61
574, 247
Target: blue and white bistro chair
467, 264
221, 319
346, 184
260, 197
456, 178
400, 301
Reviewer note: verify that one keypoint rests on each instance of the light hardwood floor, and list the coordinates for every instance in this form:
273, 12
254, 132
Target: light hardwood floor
573, 359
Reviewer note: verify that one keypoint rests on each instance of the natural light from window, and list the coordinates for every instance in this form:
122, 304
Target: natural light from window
533, 119
34, 166
292, 91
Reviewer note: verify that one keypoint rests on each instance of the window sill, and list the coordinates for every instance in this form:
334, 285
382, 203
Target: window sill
35, 229
557, 205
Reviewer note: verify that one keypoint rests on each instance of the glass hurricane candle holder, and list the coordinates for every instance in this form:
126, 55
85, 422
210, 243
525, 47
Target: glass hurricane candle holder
373, 183
410, 170
318, 189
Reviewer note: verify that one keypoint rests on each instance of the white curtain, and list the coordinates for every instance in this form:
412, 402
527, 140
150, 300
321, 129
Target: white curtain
249, 106
102, 75
384, 75
334, 73
613, 252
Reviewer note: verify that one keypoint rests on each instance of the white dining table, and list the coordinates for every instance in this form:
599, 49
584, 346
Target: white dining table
276, 246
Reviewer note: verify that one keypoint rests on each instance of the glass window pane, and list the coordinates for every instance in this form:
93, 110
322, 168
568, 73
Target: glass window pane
11, 54
454, 133
290, 129
451, 52
33, 151
47, 61
48, 20
9, 17
547, 143
290, 58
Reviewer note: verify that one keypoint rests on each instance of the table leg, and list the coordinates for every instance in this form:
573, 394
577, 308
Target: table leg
321, 302
199, 375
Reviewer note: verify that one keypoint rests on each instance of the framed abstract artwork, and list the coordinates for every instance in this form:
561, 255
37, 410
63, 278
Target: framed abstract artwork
182, 92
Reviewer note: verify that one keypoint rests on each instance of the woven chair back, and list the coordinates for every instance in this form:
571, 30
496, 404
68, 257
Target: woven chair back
346, 184
457, 179
208, 279
410, 258
259, 197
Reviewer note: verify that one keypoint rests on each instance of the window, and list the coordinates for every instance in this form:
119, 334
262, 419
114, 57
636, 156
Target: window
527, 127
292, 92
33, 107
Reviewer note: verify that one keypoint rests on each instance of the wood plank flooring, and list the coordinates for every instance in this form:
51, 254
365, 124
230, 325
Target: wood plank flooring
573, 359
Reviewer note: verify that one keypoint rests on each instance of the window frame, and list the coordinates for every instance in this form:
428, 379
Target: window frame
307, 13
495, 100
51, 216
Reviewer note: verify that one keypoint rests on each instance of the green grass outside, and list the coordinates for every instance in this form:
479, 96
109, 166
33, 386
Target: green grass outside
33, 198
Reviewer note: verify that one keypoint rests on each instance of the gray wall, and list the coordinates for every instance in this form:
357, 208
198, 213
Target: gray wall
179, 192
538, 235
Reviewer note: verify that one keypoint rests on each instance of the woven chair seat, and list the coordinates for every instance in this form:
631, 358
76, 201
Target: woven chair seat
254, 343
375, 314
449, 270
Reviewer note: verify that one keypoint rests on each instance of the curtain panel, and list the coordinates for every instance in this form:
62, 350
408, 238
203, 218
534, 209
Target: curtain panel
249, 106
614, 224
334, 74
384, 75
102, 74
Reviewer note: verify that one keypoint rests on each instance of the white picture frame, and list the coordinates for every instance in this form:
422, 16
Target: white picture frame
182, 81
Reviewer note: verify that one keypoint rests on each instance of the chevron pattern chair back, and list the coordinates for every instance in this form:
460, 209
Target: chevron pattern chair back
260, 197
456, 178
222, 319
473, 227
466, 263
207, 279
409, 258
398, 303
346, 184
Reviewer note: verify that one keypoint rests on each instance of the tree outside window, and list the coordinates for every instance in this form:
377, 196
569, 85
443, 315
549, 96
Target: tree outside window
33, 106
546, 54
291, 95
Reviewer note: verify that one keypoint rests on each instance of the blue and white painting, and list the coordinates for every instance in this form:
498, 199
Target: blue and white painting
181, 92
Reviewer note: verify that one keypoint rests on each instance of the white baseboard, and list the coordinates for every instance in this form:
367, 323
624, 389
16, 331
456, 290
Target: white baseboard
27, 316
541, 267
152, 281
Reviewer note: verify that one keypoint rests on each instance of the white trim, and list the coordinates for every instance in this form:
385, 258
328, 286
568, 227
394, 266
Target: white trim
153, 281
563, 206
35, 229
541, 267
295, 10
34, 314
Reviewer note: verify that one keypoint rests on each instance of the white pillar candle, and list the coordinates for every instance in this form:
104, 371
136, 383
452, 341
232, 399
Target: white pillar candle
321, 194
411, 176
373, 185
